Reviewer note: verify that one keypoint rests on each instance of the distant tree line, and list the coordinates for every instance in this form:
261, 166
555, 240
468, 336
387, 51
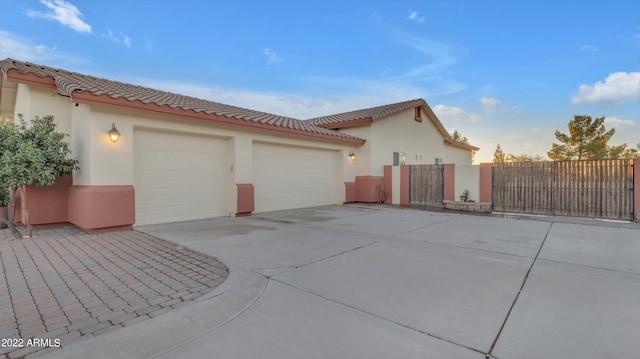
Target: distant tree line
587, 140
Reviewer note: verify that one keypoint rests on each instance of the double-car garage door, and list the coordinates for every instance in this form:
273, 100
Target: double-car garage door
180, 176
286, 177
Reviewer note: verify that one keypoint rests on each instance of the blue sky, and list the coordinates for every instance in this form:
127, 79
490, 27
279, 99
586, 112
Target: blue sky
508, 72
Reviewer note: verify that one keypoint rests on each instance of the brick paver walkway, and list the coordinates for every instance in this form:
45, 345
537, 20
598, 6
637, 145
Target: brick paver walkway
64, 284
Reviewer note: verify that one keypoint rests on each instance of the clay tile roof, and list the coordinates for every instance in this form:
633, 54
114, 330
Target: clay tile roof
69, 83
372, 113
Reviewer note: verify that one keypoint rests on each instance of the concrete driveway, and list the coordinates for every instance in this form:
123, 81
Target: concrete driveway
380, 282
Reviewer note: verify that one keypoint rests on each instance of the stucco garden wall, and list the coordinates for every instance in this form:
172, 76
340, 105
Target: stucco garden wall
467, 177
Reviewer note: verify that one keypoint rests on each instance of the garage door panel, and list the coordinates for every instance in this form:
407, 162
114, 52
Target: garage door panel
178, 176
288, 177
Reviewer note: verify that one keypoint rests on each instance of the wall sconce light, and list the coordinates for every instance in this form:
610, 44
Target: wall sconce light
114, 135
352, 155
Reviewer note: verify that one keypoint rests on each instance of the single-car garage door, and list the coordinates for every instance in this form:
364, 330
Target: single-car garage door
178, 176
286, 177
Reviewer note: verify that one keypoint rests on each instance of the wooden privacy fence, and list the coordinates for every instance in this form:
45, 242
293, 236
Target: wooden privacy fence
598, 188
426, 185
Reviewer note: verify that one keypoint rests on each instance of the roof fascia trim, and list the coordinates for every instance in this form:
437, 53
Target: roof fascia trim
461, 145
13, 75
87, 98
349, 123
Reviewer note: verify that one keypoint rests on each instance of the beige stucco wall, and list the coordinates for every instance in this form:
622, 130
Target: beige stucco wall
37, 101
23, 102
8, 98
112, 163
81, 143
361, 166
421, 142
467, 177
457, 155
33, 101
103, 162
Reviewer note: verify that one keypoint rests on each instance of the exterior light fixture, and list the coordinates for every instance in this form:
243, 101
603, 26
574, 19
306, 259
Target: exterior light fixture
352, 155
114, 135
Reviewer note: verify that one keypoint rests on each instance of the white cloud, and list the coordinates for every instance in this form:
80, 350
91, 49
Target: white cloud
272, 56
121, 38
22, 49
588, 48
618, 122
285, 104
440, 54
490, 104
63, 12
415, 16
25, 49
436, 57
449, 114
617, 87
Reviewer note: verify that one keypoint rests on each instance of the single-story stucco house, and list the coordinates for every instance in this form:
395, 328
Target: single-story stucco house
183, 158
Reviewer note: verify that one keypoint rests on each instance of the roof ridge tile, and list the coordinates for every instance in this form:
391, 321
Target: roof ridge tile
69, 82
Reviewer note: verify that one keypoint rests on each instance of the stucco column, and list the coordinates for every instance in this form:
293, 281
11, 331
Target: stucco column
404, 184
242, 175
486, 184
636, 189
388, 184
450, 182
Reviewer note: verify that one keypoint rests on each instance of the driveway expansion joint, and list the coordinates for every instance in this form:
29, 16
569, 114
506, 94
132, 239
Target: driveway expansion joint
360, 310
224, 323
515, 300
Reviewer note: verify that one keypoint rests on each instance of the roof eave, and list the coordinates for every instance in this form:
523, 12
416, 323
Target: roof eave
88, 98
348, 123
30, 78
436, 122
465, 146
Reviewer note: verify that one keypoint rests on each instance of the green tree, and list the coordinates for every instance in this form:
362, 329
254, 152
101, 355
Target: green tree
524, 158
622, 152
457, 136
499, 155
31, 153
587, 140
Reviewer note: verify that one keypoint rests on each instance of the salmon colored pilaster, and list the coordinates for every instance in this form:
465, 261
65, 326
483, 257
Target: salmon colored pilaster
370, 189
3, 213
404, 184
636, 189
486, 184
350, 192
449, 182
47, 205
245, 199
98, 209
388, 184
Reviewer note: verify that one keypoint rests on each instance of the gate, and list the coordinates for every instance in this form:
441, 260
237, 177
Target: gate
597, 188
426, 185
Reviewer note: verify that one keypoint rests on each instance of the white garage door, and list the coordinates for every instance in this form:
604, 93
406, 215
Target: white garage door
286, 177
178, 176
